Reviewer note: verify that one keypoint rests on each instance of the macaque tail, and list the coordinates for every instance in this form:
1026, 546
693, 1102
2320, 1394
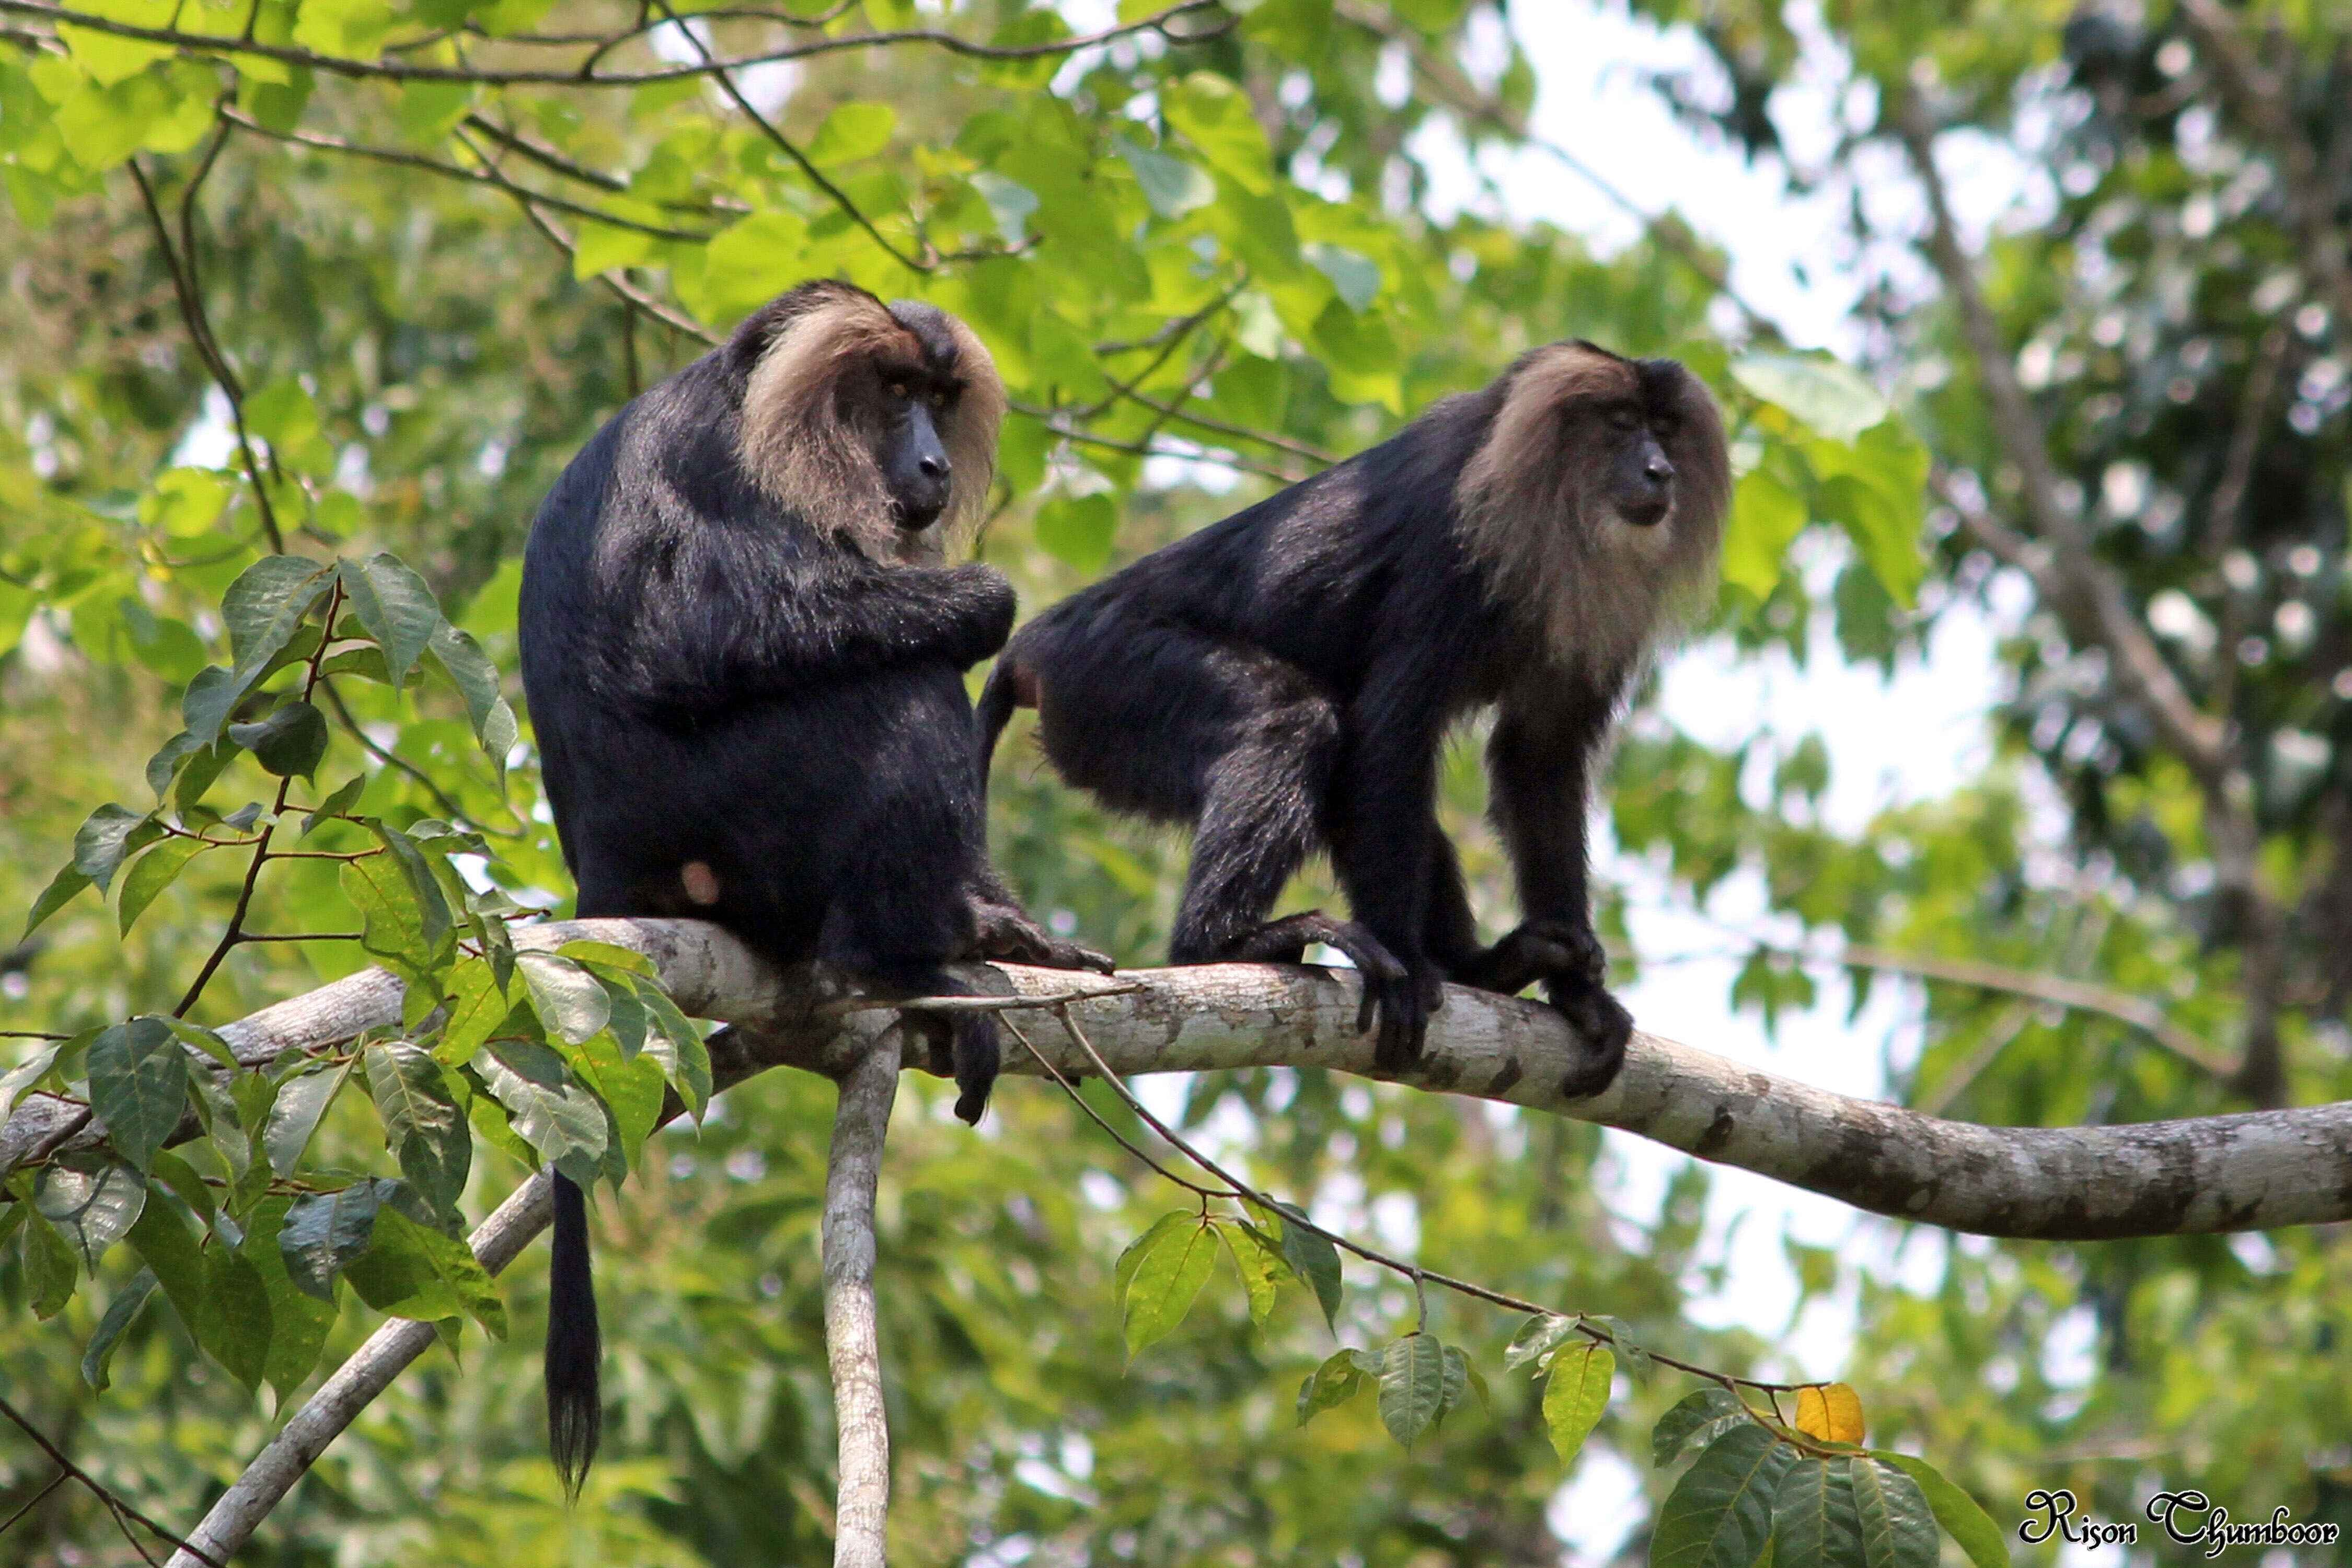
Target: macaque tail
576, 1408
998, 699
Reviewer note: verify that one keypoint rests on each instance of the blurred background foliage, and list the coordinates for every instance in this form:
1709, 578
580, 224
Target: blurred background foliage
1207, 257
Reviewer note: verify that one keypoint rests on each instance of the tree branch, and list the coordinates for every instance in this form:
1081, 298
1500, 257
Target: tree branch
853, 1169
2070, 579
2267, 104
2253, 1171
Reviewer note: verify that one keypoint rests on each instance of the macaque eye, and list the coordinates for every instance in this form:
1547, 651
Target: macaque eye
1624, 419
941, 397
900, 390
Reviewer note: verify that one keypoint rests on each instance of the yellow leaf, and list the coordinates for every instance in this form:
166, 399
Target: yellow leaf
1830, 1412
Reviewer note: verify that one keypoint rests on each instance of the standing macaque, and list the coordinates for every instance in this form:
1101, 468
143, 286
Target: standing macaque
1284, 679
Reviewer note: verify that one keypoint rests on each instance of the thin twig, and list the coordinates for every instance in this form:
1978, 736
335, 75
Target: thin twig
625, 291
123, 1512
186, 289
972, 1003
60, 1478
321, 142
840, 198
1115, 1135
210, 44
233, 932
1403, 1267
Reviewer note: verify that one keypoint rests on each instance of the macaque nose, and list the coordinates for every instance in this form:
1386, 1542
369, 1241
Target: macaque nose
1657, 470
934, 465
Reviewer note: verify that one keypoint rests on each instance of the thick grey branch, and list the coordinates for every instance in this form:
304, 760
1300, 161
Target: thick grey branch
851, 1345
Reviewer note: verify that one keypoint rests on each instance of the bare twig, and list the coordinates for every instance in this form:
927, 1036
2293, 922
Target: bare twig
124, 1514
215, 45
187, 289
486, 175
853, 1348
2143, 1015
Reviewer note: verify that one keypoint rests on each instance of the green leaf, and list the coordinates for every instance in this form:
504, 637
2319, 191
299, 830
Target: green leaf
128, 1303
324, 1232
1814, 1524
1079, 530
478, 1010
423, 1125
264, 606
1721, 1513
298, 1321
156, 867
110, 834
414, 1270
470, 669
853, 130
1766, 517
435, 925
61, 890
563, 1122
161, 1238
211, 696
1986, 1545
1835, 400
1172, 186
294, 1115
1412, 1386
1537, 1339
1355, 277
92, 1199
568, 999
1336, 1382
1316, 1260
1166, 1276
1898, 1528
1697, 1421
678, 1045
1258, 1260
49, 1272
110, 57
288, 743
1215, 116
139, 1087
336, 804
237, 1323
26, 1073
1575, 1396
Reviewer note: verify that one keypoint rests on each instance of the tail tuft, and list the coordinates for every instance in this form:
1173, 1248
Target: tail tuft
575, 1409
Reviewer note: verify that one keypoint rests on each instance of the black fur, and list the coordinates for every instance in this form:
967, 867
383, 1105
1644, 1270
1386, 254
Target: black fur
1284, 680
716, 679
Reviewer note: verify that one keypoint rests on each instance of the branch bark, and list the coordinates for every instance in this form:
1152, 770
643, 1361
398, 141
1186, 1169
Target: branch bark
853, 1170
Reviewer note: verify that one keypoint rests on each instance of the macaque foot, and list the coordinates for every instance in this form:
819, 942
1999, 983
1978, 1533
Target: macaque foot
1396, 998
1556, 951
1005, 931
1602, 1024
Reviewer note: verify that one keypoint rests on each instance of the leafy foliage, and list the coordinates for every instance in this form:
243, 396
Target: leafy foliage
318, 297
